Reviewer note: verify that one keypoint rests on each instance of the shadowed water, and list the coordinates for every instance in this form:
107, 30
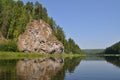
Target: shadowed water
89, 68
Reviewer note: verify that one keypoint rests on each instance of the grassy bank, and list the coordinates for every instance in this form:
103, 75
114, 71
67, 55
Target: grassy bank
111, 54
21, 55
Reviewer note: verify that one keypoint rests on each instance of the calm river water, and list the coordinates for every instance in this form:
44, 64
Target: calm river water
89, 68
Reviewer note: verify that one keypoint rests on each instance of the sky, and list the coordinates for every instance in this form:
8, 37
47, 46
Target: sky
93, 24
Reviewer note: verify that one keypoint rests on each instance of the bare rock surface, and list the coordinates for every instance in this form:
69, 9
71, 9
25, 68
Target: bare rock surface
38, 38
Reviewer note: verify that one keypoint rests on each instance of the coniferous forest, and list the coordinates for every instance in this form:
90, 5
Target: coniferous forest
14, 16
114, 49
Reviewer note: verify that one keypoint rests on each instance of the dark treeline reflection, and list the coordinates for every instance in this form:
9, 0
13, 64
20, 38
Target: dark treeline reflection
8, 69
69, 66
115, 60
37, 69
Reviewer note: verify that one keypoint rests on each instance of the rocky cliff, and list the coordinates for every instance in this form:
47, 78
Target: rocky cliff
38, 38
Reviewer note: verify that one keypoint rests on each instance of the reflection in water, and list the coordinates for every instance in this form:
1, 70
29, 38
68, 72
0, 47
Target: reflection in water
39, 69
70, 65
7, 70
115, 60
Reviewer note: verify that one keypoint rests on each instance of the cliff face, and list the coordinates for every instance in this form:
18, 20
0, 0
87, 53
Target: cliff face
38, 38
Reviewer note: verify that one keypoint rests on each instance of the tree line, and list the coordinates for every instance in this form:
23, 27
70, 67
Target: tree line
14, 16
114, 49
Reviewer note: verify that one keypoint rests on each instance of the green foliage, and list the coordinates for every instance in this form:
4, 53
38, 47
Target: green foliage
114, 49
60, 34
0, 6
38, 11
8, 46
72, 47
14, 16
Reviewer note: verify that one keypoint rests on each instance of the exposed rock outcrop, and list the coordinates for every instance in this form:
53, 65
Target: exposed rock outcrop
38, 38
39, 69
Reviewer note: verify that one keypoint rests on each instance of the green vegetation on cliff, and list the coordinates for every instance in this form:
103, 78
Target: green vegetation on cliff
114, 49
14, 16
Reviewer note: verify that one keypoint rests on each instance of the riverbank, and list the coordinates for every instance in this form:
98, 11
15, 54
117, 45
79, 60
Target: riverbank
22, 55
110, 54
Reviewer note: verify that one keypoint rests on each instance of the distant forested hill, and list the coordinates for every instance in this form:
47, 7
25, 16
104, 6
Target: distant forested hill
93, 51
114, 49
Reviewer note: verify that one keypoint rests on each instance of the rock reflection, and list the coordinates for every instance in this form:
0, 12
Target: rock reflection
39, 69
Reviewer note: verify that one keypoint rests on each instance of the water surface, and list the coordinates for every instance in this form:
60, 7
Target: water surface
89, 68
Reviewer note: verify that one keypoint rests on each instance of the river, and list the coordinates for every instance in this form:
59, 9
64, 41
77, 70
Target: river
88, 68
